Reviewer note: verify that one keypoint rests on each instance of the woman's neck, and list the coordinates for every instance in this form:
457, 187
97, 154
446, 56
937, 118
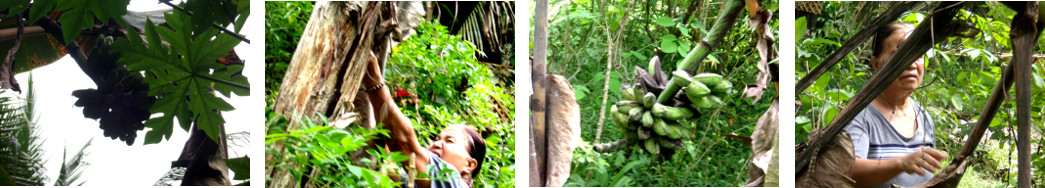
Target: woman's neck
893, 100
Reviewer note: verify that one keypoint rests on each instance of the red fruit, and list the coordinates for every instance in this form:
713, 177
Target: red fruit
402, 93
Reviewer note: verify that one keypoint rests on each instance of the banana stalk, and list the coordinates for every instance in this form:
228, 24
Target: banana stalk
710, 41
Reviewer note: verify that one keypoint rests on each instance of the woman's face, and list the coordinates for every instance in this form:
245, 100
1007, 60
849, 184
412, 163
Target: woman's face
911, 78
452, 147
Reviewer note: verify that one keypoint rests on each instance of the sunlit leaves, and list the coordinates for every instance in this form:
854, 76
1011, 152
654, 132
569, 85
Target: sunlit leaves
184, 75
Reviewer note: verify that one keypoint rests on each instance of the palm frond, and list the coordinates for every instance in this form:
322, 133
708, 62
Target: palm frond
21, 154
173, 177
483, 24
73, 168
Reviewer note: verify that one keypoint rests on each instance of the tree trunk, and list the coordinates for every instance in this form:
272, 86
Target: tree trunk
328, 66
205, 159
1024, 35
537, 99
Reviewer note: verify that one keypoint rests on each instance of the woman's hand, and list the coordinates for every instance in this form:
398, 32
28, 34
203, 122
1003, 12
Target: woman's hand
923, 158
871, 172
401, 133
374, 76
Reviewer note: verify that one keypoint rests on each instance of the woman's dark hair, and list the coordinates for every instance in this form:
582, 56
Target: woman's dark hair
884, 33
476, 149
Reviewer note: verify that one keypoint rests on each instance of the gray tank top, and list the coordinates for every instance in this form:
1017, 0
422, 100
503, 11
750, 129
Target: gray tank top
875, 138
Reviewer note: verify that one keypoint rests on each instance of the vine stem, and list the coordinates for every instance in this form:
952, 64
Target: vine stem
226, 31
8, 78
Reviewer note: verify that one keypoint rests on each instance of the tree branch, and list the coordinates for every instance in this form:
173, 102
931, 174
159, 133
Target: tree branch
52, 28
7, 77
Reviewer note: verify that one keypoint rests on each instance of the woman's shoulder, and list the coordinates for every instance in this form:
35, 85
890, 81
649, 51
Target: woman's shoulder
869, 113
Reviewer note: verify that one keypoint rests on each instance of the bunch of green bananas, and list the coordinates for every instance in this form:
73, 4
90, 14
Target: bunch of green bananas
660, 125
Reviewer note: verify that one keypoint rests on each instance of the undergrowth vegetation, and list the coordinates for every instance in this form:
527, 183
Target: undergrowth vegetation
435, 79
579, 36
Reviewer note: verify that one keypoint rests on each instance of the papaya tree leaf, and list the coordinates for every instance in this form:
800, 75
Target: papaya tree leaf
40, 8
184, 76
240, 167
82, 14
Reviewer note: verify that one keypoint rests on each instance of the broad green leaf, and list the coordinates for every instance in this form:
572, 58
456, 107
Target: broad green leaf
244, 12
801, 120
800, 30
17, 6
74, 21
684, 48
82, 14
108, 9
1038, 81
668, 37
579, 92
239, 166
206, 13
829, 114
40, 8
822, 81
184, 75
668, 46
614, 85
665, 21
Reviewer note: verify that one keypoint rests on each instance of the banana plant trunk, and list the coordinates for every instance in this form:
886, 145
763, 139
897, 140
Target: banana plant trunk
327, 68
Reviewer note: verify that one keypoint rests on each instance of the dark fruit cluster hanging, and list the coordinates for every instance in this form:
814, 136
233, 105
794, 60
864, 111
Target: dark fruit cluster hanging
121, 100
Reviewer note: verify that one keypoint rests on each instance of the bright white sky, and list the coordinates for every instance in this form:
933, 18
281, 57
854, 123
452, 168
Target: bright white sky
112, 162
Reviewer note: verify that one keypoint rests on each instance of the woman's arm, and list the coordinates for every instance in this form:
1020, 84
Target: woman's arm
871, 172
387, 112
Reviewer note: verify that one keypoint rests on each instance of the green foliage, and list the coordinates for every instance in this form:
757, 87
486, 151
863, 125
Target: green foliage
285, 22
21, 152
70, 172
313, 146
438, 63
437, 73
446, 85
183, 75
80, 14
577, 32
960, 75
239, 166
